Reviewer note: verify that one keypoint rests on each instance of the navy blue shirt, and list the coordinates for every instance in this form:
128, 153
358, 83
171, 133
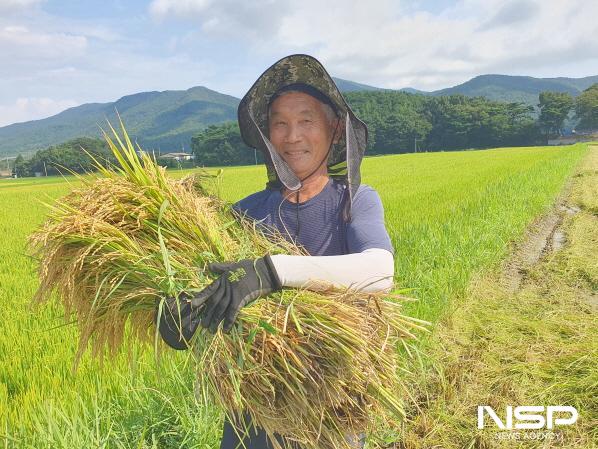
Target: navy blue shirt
317, 224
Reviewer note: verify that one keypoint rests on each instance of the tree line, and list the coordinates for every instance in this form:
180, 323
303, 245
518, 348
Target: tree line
398, 122
65, 158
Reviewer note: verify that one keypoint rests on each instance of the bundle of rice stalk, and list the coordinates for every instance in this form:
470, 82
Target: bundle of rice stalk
311, 367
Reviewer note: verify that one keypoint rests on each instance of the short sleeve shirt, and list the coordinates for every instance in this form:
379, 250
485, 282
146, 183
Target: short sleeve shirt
317, 223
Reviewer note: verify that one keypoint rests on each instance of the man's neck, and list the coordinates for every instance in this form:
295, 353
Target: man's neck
311, 187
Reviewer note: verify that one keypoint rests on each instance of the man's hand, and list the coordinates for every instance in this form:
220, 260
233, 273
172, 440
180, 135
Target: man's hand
239, 284
179, 319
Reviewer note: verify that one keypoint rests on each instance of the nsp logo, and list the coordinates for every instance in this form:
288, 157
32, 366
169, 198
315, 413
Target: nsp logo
530, 416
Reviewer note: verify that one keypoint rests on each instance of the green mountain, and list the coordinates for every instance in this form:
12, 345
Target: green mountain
411, 90
524, 89
352, 86
157, 120
167, 120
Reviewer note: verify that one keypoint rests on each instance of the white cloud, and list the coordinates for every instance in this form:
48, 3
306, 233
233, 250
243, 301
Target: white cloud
225, 44
24, 109
19, 42
390, 44
9, 6
257, 19
182, 8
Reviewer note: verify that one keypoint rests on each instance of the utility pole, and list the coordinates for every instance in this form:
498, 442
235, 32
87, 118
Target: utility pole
8, 158
255, 155
415, 144
45, 171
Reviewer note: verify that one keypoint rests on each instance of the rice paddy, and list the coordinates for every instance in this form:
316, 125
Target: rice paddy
450, 217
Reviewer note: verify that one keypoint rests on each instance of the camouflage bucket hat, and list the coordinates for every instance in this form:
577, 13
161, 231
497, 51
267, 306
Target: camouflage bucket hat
345, 157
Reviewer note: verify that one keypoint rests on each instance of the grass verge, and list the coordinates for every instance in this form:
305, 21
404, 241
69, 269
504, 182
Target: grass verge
533, 346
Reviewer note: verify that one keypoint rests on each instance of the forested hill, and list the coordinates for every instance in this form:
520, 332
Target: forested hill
352, 86
524, 89
401, 122
156, 119
167, 120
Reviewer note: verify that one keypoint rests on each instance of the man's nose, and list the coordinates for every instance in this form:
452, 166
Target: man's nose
293, 133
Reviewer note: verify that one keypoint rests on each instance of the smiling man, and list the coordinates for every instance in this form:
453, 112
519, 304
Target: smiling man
313, 145
301, 129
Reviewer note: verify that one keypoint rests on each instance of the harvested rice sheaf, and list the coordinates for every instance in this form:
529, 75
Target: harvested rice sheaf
311, 367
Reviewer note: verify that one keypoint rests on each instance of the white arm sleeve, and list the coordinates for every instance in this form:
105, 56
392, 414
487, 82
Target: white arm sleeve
371, 270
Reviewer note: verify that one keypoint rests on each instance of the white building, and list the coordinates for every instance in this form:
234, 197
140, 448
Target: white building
177, 156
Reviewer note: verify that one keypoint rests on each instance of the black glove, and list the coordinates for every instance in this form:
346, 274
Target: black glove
179, 319
239, 284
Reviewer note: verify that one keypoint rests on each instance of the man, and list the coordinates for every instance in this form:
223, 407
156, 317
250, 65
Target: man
313, 145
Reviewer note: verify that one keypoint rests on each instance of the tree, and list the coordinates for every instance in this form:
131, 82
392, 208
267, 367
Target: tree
65, 158
459, 122
586, 108
222, 145
395, 120
70, 157
554, 108
21, 168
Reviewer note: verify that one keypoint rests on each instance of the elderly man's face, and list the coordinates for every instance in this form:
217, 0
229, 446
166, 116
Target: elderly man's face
301, 132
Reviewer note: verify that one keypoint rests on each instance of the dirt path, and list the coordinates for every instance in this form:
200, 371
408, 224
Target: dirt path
544, 236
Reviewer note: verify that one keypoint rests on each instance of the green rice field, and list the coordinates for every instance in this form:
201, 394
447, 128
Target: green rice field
450, 215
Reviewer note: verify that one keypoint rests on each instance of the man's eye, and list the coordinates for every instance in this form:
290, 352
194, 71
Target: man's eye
306, 121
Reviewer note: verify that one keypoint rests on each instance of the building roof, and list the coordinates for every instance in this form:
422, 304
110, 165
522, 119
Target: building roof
175, 155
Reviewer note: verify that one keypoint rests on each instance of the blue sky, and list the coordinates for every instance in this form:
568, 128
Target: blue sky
58, 54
